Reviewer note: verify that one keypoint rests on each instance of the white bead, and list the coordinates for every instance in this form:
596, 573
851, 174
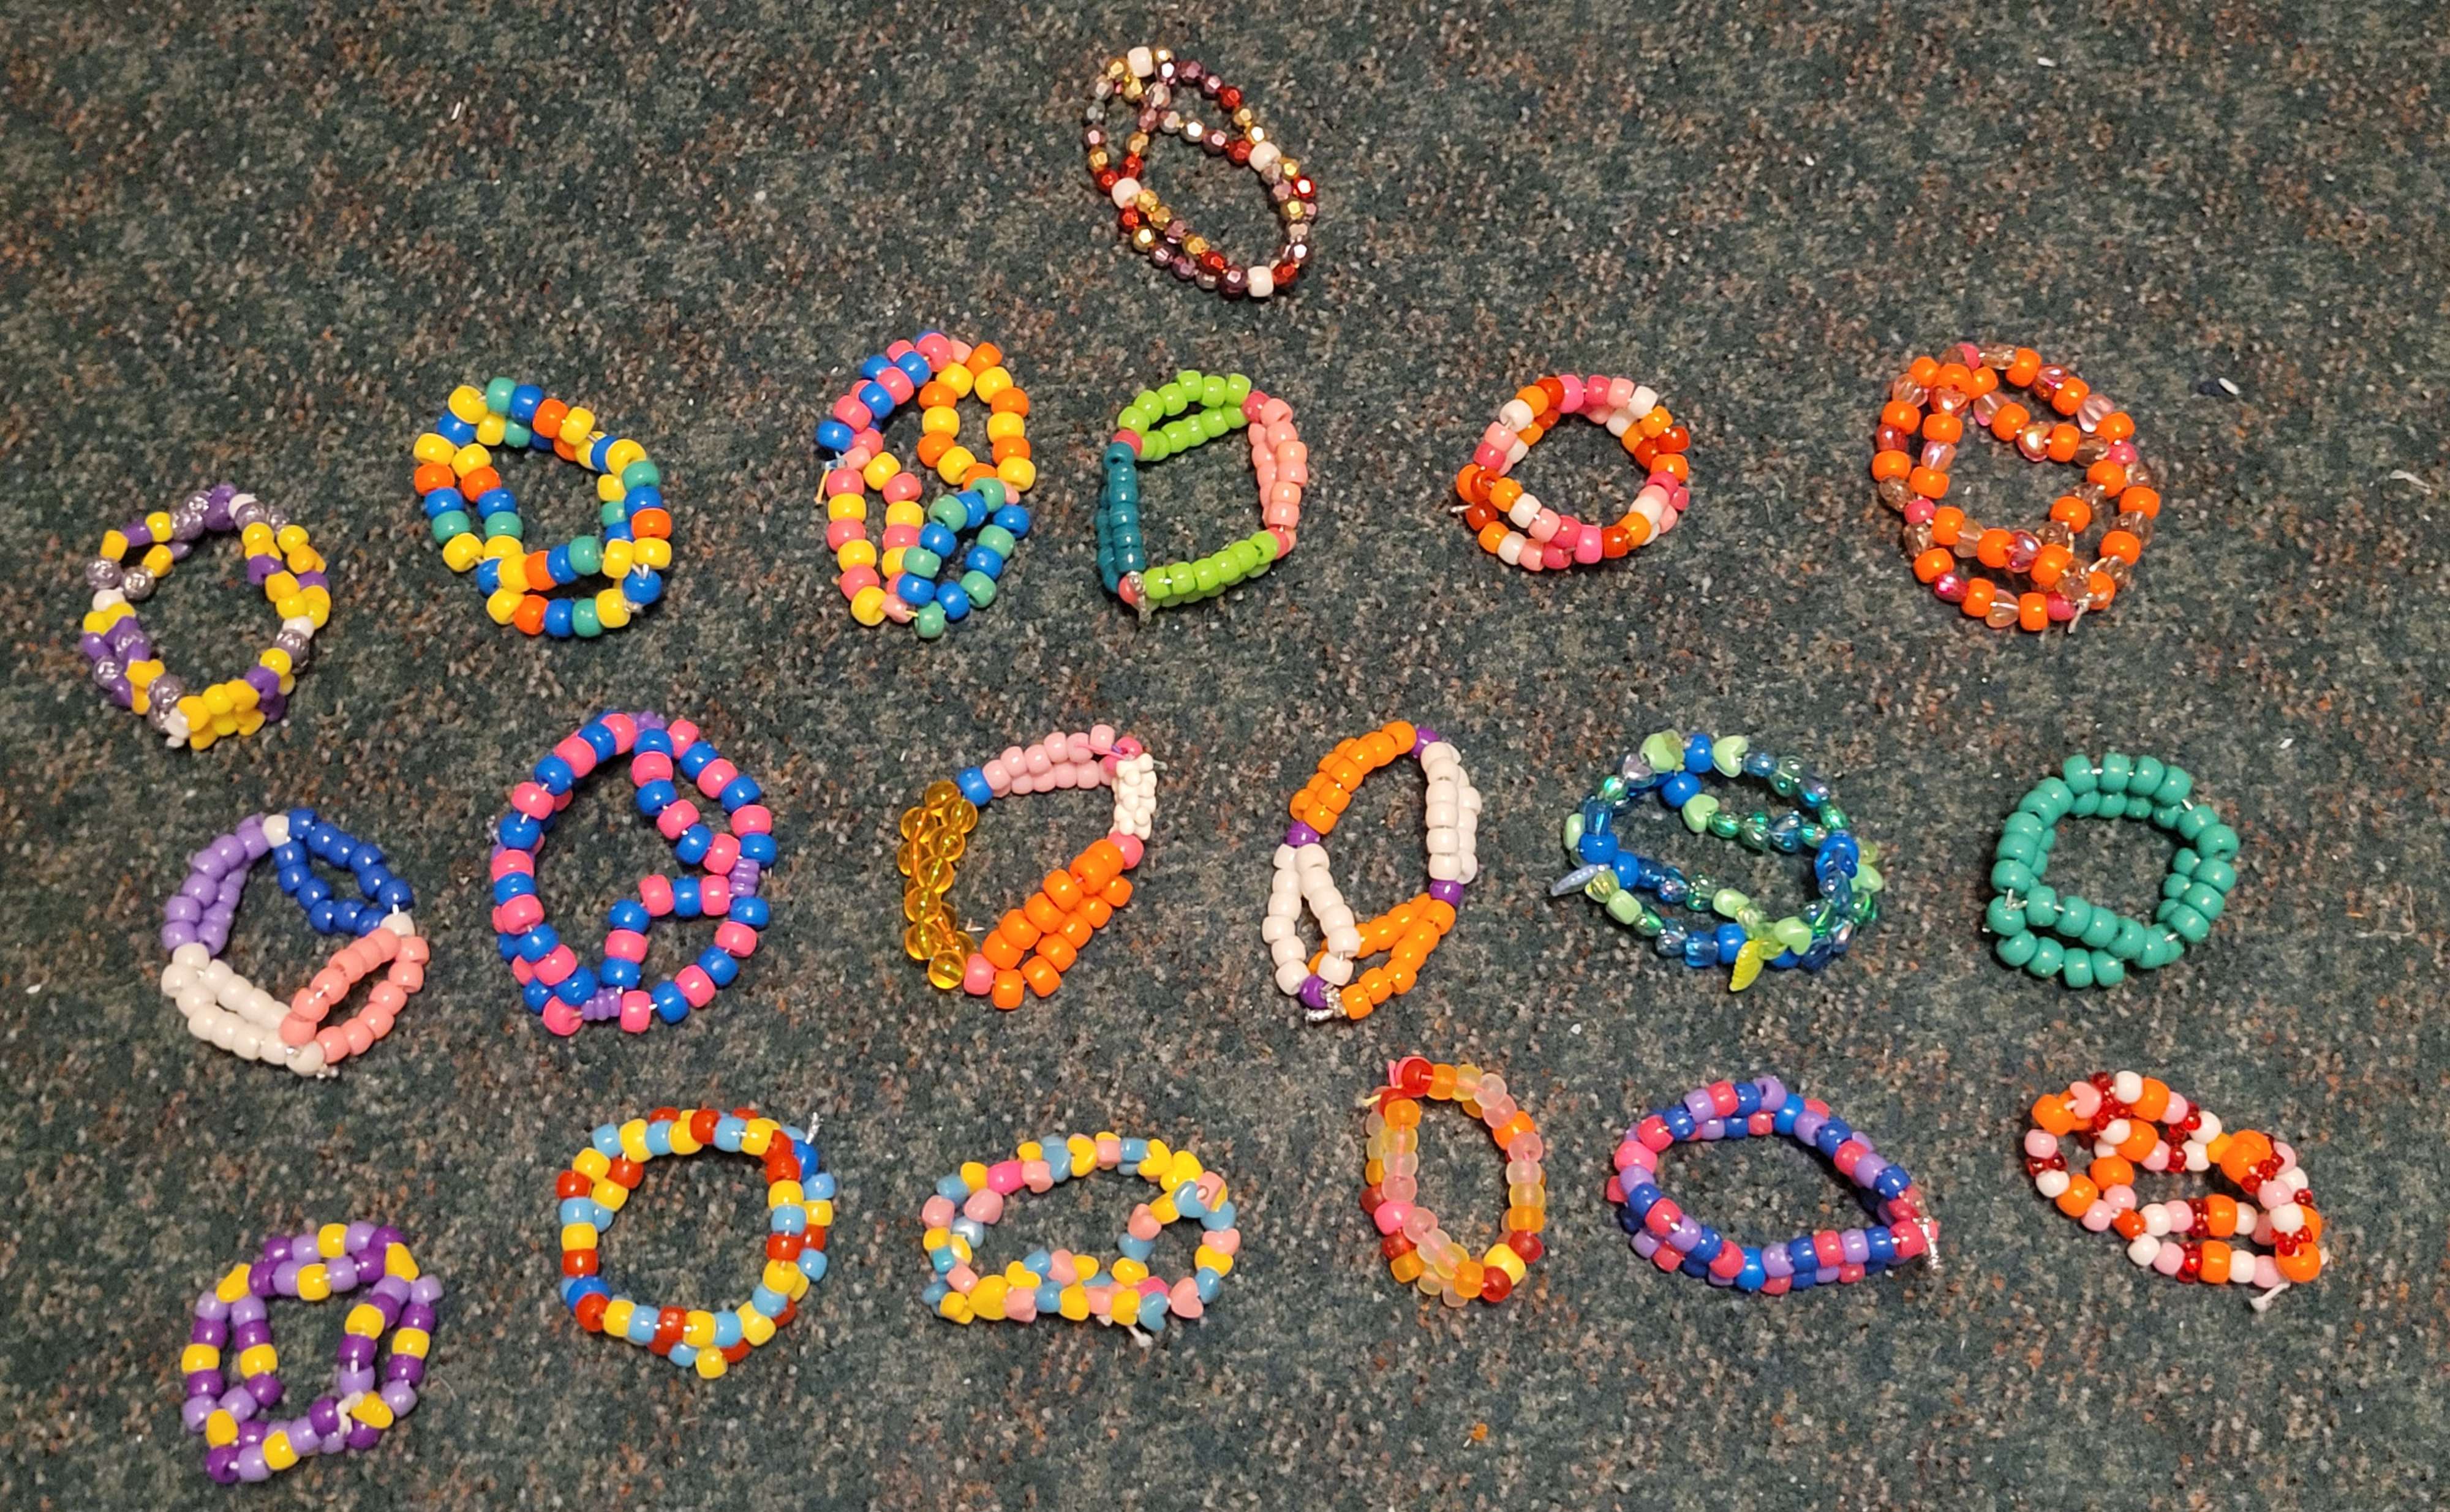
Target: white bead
2156, 1218
174, 728
302, 624
401, 923
1645, 400
1263, 157
307, 1059
1510, 551
1524, 512
2210, 1129
1291, 974
1262, 280
275, 828
105, 598
1514, 415
2051, 1183
1337, 968
1140, 62
2142, 1248
2127, 1087
1124, 192
1619, 423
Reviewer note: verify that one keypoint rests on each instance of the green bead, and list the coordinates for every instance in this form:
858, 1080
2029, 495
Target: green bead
1212, 393
2186, 862
1649, 925
1698, 811
502, 522
448, 524
999, 540
584, 622
1753, 833
586, 556
2074, 914
2041, 908
1149, 404
2101, 929
2107, 970
1612, 788
1172, 400
641, 474
1871, 849
1625, 906
498, 396
2047, 955
2192, 824
2002, 918
992, 493
1728, 903
1268, 547
1237, 388
2017, 849
1211, 423
930, 621
1205, 575
1727, 754
1191, 382
1834, 820
517, 438
980, 588
946, 511
1793, 933
2115, 769
2075, 968
1604, 886
1153, 447
1868, 879
1665, 751
2015, 950
2128, 939
1573, 834
2177, 785
1753, 921
2174, 884
2087, 804
2078, 774
1787, 776
2007, 877
1725, 824
2049, 800
2204, 901
920, 562
2144, 780
1866, 908
2110, 806
2021, 822
2217, 875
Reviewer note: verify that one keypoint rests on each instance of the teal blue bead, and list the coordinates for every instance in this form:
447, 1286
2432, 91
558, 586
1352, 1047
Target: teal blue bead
516, 437
2107, 970
503, 522
2101, 928
948, 511
584, 622
920, 562
613, 513
2016, 949
2078, 774
448, 524
2087, 804
2074, 914
2049, 799
997, 539
498, 396
2217, 841
2047, 955
2217, 875
2042, 907
2144, 780
2115, 769
2021, 822
2128, 939
586, 556
2204, 901
2076, 969
2191, 926
2011, 877
641, 474
2192, 824
2186, 861
2110, 806
2018, 848
2174, 884
2177, 785
2002, 919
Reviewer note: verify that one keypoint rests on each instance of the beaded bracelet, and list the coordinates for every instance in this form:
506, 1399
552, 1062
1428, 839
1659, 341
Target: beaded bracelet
2100, 943
1663, 1234
225, 1009
1612, 875
244, 1444
553, 982
901, 584
280, 560
2123, 1116
1409, 931
2095, 436
1514, 527
463, 492
800, 1211
1059, 1283
1162, 92
1418, 1251
1143, 434
1030, 947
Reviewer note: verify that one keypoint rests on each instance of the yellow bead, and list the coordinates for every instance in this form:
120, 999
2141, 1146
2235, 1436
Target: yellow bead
462, 551
1084, 1267
1502, 1257
575, 427
1017, 471
1159, 1158
257, 539
653, 552
697, 1328
610, 1192
754, 1326
1406, 1268
1083, 1152
513, 575
365, 1320
577, 1236
467, 404
502, 603
634, 1141
859, 552
1005, 424
291, 538
954, 1306
1207, 1259
621, 454
246, 722
415, 1342
1163, 1211
1073, 1302
821, 1212
279, 1453
958, 379
609, 489
158, 560
330, 1240
219, 1428
470, 457
974, 1174
617, 1314
941, 419
261, 1360
1184, 1168
1129, 1271
905, 512
684, 1142
505, 549
880, 470
217, 699
759, 1137
433, 449
373, 1411
1030, 1150
620, 556
491, 429
397, 1262
867, 606
783, 1192
956, 461
158, 523
710, 1364
847, 506
988, 1297
990, 383
114, 545
591, 1163
196, 1357
1020, 1277
613, 612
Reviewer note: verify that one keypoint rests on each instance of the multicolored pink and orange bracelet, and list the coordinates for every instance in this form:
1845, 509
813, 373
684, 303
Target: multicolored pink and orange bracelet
1418, 1251
1517, 529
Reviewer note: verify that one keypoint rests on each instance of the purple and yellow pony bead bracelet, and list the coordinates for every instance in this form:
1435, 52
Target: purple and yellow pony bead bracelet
242, 1442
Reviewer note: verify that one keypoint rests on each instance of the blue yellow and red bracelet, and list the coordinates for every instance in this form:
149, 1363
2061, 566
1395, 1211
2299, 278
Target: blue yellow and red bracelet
241, 1443
476, 518
1077, 1287
1664, 1235
902, 579
1192, 409
1611, 874
280, 561
800, 1211
730, 867
2096, 946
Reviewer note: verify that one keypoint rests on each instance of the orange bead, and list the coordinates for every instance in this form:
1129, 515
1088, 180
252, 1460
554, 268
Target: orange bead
2072, 513
1985, 379
1041, 910
2121, 545
1016, 927
2141, 501
2111, 1171
1078, 931
2033, 611
1924, 370
1011, 401
2010, 420
1902, 415
1471, 482
2127, 1224
652, 524
1978, 596
1057, 952
982, 357
2215, 1271
480, 481
1008, 990
1953, 375
433, 475
548, 416
1533, 401
1007, 447
2101, 588
936, 395
2220, 1212
2302, 1267
2078, 1195
2115, 426
529, 616
1041, 978
2064, 441
1354, 1000
1945, 524
2142, 1139
1927, 481
1061, 890
1118, 892
1885, 465
2050, 564
2023, 368
1001, 952
1991, 548
2112, 476
1932, 563
2071, 395
1674, 465
1942, 427
2155, 1099
933, 446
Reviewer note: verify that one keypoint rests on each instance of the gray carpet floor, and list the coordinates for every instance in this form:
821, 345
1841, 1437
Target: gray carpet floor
264, 242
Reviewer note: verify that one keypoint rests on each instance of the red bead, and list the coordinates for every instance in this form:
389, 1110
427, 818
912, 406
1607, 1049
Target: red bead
626, 1172
1238, 152
1107, 178
1526, 1244
590, 1311
784, 1247
1412, 1076
571, 1184
578, 1262
664, 1116
1230, 97
702, 1125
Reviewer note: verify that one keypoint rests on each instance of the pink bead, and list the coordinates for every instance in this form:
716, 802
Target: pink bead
657, 893
625, 732
334, 1045
962, 1278
557, 967
414, 949
984, 1206
1144, 1225
2122, 452
1390, 1217
715, 776
999, 779
903, 488
1005, 1176
1614, 1191
521, 971
937, 1212
896, 383
676, 819
1075, 747
1224, 1241
722, 855
2171, 1259
360, 1039
1276, 412
1667, 1257
1037, 761
1021, 1304
845, 479
1061, 1269
905, 537
1490, 457
1572, 402
1035, 1175
752, 818
735, 940
2098, 1217
1848, 1155
1183, 1301
683, 735
853, 413
561, 1017
936, 349
856, 580
637, 1012
532, 800
1544, 526
2040, 1144
2084, 1100
1129, 846
513, 864
1919, 511
386, 997
1909, 1240
297, 1028
1102, 738
1287, 514
1589, 546
696, 985
714, 896
518, 915
650, 766
1255, 406
1110, 1150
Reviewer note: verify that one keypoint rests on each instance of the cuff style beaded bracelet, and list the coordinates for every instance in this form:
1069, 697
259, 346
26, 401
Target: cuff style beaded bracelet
1058, 1283
225, 1009
1418, 1250
463, 493
1916, 443
1408, 932
2124, 1116
1611, 874
241, 1442
1664, 1235
1030, 947
280, 561
730, 868
2087, 944
1166, 95
1195, 408
923, 577
799, 1213
1517, 529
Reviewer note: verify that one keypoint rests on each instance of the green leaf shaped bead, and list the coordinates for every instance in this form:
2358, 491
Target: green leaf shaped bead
1601, 886
1573, 834
1698, 811
1793, 933
1728, 903
1625, 906
1727, 754
1868, 880
1665, 751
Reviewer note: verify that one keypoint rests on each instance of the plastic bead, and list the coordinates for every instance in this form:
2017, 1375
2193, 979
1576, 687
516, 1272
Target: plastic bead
1210, 406
1516, 528
1418, 1251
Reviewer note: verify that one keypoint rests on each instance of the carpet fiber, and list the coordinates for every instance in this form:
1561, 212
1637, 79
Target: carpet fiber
264, 242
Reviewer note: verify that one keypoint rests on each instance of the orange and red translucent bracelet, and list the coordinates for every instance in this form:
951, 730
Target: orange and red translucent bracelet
1418, 1250
2047, 578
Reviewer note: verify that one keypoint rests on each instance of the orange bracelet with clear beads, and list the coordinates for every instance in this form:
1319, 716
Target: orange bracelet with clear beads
1927, 413
1418, 1250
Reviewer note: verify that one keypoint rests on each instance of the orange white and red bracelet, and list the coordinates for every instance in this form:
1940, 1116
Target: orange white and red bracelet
2136, 1123
1517, 529
1916, 441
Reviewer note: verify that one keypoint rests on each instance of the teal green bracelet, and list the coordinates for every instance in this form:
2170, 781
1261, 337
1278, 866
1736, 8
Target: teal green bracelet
2085, 944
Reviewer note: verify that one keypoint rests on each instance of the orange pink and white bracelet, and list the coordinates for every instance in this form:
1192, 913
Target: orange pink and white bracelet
1516, 528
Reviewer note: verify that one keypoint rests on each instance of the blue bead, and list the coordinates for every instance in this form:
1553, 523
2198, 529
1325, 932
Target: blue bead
454, 430
759, 848
936, 538
1641, 1198
1679, 1121
693, 844
974, 507
537, 943
1695, 1269
1138, 1248
697, 759
396, 895
632, 914
813, 1264
658, 742
1697, 754
685, 901
1679, 788
877, 400
575, 1290
1596, 847
740, 792
973, 783
642, 1326
535, 995
1208, 1284
1833, 1133
519, 832
984, 559
621, 974
1843, 847
312, 890
834, 437
727, 1329
557, 562
1748, 1099
669, 1005
598, 453
1892, 1182
1711, 1242
1752, 1277
954, 599
488, 576
1801, 1254
577, 987
659, 1137
643, 586
1699, 951
751, 912
1760, 764
1627, 1219
524, 401
915, 368
1015, 519
874, 367
654, 796
1135, 1150
1628, 869
1731, 941
646, 496
1883, 1246
718, 965
915, 591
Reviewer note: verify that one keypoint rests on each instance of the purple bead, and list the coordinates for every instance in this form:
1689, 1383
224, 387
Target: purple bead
1807, 1126
258, 568
1298, 834
1696, 1102
313, 580
1422, 738
94, 646
284, 1278
390, 1290
193, 1412
427, 1290
250, 1333
385, 1237
249, 1309
1314, 993
230, 850
406, 1368
1776, 1263
1646, 1244
250, 835
208, 1330
357, 1352
358, 1236
401, 1397
1684, 1234
266, 683
417, 1315
211, 1306
1449, 893
1773, 1093
251, 1467
254, 1430
325, 1415
347, 1380
221, 1464
199, 888
1711, 1130
238, 1402
1868, 1170
266, 1389
176, 934
342, 1271
1855, 1247
363, 1436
